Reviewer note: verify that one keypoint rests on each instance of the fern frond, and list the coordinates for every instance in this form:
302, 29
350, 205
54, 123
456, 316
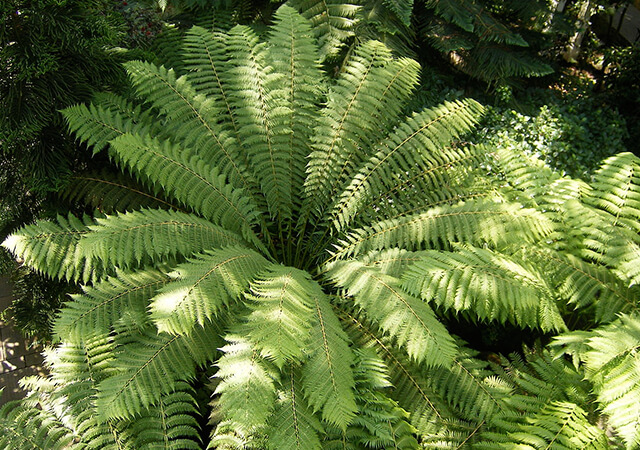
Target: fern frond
192, 118
490, 62
34, 244
263, 117
414, 148
612, 365
473, 222
293, 425
247, 389
562, 426
149, 365
381, 423
616, 189
547, 407
203, 286
149, 236
280, 299
292, 52
355, 108
206, 59
488, 284
190, 180
393, 261
327, 376
585, 285
332, 22
470, 389
429, 412
475, 18
111, 192
26, 428
411, 322
170, 424
106, 119
100, 306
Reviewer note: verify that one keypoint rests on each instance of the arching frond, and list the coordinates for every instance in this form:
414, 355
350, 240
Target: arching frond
381, 423
293, 425
111, 192
429, 412
107, 118
263, 118
471, 389
203, 286
27, 428
149, 365
413, 152
190, 180
612, 365
327, 376
544, 411
332, 22
584, 284
491, 285
616, 190
355, 109
292, 52
193, 120
144, 237
281, 301
247, 388
171, 424
34, 244
474, 222
102, 305
411, 322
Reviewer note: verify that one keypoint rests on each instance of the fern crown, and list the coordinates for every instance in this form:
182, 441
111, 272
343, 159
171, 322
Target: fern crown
301, 239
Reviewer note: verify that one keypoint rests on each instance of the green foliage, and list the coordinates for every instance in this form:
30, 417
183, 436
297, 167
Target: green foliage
307, 239
52, 54
571, 135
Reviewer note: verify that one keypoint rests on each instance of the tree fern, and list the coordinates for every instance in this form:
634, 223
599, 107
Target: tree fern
305, 227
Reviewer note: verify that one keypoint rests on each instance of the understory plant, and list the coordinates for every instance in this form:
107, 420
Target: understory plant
303, 241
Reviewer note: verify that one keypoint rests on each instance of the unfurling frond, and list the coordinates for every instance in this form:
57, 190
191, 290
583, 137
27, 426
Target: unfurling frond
409, 320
